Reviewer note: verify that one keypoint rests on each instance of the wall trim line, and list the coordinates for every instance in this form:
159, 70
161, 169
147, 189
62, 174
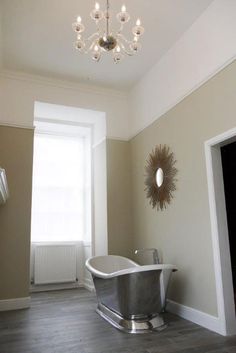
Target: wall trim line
14, 304
28, 127
112, 138
117, 138
198, 317
21, 126
99, 142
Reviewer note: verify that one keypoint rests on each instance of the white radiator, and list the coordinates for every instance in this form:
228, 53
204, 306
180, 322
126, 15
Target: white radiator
55, 263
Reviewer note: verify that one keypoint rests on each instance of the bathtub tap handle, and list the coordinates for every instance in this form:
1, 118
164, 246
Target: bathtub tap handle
154, 252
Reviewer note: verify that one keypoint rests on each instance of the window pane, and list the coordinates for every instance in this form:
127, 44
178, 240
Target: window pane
58, 207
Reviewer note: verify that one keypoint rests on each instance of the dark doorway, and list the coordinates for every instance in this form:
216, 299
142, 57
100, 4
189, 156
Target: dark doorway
228, 155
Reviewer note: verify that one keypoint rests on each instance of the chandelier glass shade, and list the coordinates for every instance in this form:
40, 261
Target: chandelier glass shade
105, 38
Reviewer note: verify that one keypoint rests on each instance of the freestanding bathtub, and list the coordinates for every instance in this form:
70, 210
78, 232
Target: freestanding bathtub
130, 297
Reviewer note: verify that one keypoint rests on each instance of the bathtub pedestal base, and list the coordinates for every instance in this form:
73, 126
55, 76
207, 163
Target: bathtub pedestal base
155, 323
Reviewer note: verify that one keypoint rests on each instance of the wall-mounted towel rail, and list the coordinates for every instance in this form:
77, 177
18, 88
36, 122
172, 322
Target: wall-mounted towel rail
4, 193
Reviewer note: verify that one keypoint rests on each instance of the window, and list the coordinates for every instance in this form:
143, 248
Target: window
60, 183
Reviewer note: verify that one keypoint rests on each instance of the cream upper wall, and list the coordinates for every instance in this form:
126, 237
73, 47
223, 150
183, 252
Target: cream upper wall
207, 46
203, 50
18, 94
183, 231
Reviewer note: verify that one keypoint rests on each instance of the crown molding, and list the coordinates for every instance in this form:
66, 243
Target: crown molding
64, 84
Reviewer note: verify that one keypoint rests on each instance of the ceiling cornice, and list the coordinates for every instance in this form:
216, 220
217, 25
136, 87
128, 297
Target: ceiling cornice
64, 84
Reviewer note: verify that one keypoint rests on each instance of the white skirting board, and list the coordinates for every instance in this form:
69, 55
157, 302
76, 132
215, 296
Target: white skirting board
198, 317
88, 284
14, 304
53, 287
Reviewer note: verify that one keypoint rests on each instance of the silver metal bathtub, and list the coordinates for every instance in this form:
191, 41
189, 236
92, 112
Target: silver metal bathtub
130, 297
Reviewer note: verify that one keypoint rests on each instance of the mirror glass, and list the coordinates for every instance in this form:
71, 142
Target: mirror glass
159, 177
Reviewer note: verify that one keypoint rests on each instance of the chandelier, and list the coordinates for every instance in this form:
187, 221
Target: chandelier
107, 39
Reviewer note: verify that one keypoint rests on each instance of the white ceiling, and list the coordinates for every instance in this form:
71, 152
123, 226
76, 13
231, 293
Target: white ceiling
37, 37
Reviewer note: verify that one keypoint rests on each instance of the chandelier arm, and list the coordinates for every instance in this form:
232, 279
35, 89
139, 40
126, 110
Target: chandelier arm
92, 36
87, 40
123, 38
90, 48
120, 29
99, 30
127, 52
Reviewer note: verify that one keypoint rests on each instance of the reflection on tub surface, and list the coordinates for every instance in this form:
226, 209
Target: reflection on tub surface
129, 296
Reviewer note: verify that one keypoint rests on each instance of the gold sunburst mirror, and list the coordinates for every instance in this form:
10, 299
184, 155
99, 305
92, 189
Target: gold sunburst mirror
160, 180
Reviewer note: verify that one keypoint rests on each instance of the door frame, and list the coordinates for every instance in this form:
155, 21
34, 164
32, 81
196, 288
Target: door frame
219, 232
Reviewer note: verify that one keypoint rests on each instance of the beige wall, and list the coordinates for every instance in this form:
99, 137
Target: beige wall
183, 232
16, 147
119, 198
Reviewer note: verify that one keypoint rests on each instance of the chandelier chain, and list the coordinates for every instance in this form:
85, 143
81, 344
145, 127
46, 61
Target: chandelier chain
107, 16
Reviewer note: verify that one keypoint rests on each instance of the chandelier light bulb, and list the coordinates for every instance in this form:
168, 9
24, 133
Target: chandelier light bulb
78, 27
118, 49
96, 14
79, 44
117, 57
96, 48
96, 55
135, 38
135, 46
123, 16
138, 30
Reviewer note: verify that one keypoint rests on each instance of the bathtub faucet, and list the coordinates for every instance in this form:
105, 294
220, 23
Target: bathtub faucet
154, 252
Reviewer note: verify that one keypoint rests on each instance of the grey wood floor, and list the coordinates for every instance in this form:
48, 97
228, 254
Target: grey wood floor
66, 322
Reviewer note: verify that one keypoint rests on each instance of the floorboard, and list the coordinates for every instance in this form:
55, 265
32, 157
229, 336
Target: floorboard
65, 322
